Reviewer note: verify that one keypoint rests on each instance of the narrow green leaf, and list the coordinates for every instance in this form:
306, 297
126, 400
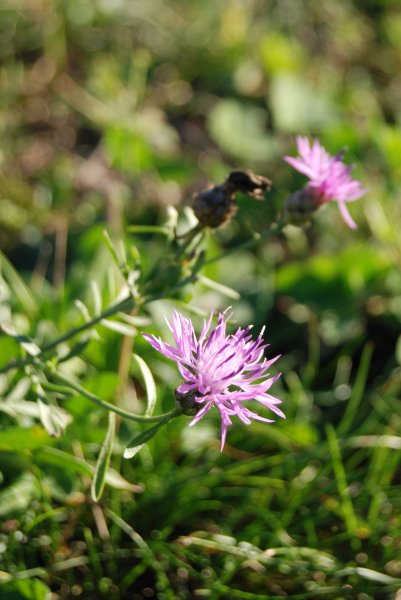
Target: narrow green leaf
370, 574
96, 297
83, 309
357, 392
57, 458
375, 441
110, 246
76, 350
20, 390
347, 508
18, 285
138, 442
119, 327
18, 408
148, 229
24, 341
26, 589
172, 220
150, 385
190, 216
219, 287
117, 481
102, 464
68, 462
54, 419
190, 308
126, 527
377, 576
135, 320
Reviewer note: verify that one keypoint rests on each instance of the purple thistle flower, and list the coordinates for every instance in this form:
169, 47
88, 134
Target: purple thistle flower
220, 369
329, 177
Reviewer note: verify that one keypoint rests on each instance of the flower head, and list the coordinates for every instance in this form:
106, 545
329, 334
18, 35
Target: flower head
215, 206
219, 369
329, 177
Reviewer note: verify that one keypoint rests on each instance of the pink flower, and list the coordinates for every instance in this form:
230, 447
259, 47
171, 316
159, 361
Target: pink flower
219, 369
329, 177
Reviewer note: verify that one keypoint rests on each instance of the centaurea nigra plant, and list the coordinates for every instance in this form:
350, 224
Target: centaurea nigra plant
219, 369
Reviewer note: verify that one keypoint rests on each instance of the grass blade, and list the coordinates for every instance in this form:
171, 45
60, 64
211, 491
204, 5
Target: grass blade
342, 484
150, 385
99, 477
18, 285
357, 392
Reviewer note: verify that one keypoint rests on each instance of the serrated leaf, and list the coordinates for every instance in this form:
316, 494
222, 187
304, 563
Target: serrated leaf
150, 385
99, 477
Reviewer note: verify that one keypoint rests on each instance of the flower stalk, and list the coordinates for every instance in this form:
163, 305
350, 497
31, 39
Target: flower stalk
78, 389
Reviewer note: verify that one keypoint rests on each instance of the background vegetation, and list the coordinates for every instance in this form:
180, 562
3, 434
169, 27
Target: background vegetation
110, 111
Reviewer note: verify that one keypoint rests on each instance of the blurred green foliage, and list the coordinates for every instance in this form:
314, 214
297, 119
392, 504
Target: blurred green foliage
111, 110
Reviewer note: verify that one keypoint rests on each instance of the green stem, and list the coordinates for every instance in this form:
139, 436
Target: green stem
126, 304
64, 381
188, 238
264, 235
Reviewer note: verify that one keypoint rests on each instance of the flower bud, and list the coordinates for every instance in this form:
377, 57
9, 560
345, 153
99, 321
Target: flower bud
187, 403
216, 206
300, 206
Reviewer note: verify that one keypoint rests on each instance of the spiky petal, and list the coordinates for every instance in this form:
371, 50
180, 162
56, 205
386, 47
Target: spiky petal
329, 178
220, 369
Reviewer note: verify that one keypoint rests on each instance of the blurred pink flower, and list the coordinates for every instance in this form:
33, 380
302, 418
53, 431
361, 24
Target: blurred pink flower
219, 369
329, 177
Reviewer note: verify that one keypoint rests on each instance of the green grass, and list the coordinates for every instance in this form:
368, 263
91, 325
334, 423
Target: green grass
110, 112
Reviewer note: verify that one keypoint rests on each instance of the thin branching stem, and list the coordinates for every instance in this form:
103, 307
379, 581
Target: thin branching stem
68, 384
124, 305
251, 243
